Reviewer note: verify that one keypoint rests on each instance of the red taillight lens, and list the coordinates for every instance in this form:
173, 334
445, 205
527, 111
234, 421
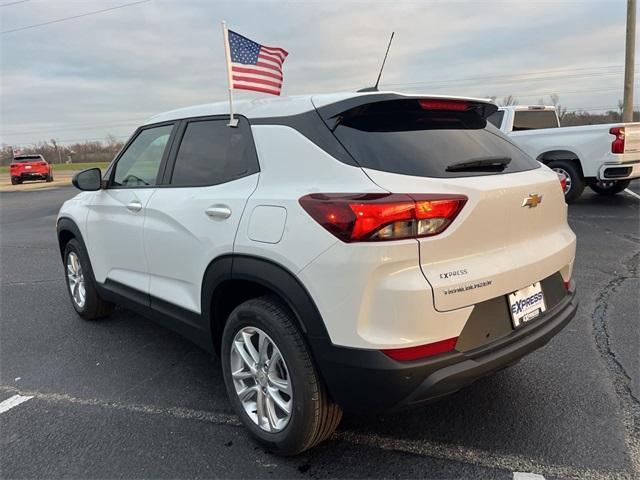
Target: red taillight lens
43, 163
617, 146
451, 105
567, 284
421, 351
381, 217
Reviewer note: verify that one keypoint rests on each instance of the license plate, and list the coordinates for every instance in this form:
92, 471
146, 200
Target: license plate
526, 304
27, 167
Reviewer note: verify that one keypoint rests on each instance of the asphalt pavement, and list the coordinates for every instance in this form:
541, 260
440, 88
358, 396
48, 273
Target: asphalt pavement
125, 398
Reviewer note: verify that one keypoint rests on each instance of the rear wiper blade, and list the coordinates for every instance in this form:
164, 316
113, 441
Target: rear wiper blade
482, 164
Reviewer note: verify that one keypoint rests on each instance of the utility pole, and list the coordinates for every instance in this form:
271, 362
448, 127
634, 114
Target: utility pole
629, 62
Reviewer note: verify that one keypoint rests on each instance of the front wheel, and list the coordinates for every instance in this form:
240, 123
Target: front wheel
81, 284
574, 182
609, 187
271, 380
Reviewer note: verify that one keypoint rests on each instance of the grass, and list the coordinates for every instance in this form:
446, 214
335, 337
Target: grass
68, 167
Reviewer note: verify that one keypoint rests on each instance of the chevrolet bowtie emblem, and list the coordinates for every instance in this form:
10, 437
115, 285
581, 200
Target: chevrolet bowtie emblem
532, 200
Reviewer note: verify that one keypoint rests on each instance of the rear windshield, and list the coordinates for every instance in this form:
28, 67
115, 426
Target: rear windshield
30, 158
399, 136
534, 119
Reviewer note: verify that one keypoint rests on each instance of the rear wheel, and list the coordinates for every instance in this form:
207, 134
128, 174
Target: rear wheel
574, 182
15, 181
271, 380
609, 187
81, 283
49, 177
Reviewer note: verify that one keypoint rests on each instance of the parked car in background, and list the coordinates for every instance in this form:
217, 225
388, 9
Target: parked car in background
30, 167
604, 157
355, 252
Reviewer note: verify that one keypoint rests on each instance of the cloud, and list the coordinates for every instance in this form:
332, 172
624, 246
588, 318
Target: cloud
102, 74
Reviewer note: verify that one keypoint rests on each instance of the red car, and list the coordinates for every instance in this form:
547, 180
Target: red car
30, 167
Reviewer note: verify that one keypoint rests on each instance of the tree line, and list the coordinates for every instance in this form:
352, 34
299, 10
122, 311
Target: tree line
104, 151
53, 152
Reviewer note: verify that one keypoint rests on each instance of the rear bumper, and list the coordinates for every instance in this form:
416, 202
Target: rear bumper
31, 175
619, 171
367, 380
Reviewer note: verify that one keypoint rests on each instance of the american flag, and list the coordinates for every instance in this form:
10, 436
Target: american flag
254, 66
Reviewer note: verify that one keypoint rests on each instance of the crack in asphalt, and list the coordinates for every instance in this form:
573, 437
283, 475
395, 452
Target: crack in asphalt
620, 377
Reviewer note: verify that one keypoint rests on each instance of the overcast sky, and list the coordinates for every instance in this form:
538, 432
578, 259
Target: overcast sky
87, 77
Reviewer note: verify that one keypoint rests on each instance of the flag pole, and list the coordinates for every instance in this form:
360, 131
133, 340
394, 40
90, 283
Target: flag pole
233, 122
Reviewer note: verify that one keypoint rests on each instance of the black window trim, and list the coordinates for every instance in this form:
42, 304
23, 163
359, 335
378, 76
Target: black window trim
111, 169
178, 135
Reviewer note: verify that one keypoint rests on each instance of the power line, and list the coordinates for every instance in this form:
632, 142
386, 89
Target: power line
72, 17
534, 75
8, 4
83, 126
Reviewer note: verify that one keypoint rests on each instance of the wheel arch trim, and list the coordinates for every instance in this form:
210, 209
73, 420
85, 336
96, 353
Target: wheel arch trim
270, 275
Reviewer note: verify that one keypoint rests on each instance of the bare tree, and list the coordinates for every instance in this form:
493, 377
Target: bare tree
56, 149
560, 110
508, 100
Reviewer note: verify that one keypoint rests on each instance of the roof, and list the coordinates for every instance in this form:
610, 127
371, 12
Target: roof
278, 106
539, 108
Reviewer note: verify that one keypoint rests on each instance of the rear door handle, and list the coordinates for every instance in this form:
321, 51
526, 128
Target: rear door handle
218, 212
134, 206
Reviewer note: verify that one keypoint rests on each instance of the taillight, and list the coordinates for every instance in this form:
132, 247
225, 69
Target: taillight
373, 217
451, 105
421, 351
617, 146
567, 284
43, 163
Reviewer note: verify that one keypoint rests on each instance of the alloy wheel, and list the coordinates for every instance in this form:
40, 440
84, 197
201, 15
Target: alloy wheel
76, 280
261, 379
567, 178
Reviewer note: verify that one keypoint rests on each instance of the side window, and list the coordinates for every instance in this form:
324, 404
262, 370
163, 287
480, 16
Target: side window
138, 166
212, 153
496, 118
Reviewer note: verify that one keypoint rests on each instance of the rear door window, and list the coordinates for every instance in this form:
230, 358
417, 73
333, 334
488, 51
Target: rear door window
400, 136
212, 153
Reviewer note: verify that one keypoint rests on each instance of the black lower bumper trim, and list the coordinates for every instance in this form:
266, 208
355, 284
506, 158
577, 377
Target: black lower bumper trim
367, 380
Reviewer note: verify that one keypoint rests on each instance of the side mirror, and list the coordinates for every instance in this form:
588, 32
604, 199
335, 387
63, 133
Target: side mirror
90, 179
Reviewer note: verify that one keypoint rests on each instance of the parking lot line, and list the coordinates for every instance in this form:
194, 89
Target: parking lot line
632, 193
527, 476
458, 453
14, 401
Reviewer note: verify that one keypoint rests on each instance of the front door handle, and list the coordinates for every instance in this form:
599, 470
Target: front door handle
218, 212
134, 206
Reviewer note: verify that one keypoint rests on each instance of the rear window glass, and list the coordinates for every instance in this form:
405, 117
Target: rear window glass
399, 136
534, 119
30, 158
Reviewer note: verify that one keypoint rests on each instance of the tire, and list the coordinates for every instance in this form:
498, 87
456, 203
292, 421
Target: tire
49, 178
93, 307
14, 181
609, 187
313, 415
575, 181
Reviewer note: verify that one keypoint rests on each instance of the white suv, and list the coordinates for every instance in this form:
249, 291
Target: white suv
339, 252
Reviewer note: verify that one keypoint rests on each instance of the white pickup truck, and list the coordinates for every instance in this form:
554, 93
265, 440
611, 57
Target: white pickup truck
604, 157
